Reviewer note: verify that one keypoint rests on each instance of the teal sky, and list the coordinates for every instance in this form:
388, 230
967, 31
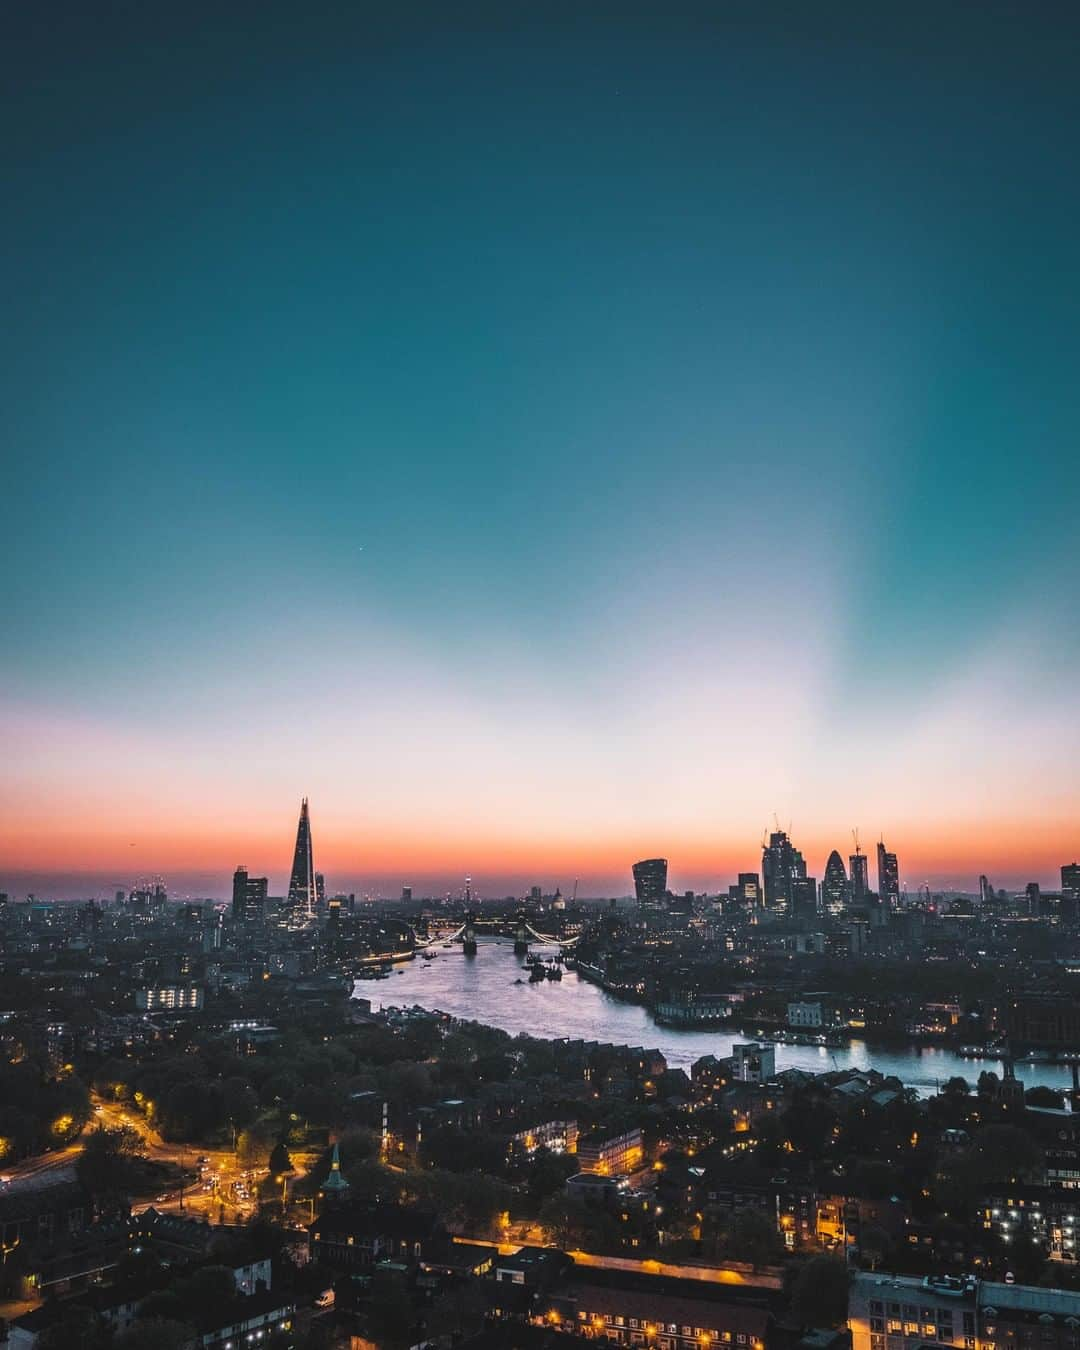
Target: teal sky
542, 434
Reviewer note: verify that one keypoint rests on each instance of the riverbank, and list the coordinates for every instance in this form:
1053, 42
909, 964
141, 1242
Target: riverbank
484, 989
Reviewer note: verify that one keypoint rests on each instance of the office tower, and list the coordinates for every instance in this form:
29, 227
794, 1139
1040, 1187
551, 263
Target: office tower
248, 897
406, 893
781, 865
650, 881
860, 877
1070, 883
804, 897
888, 879
747, 890
986, 891
211, 938
305, 884
190, 918
1033, 896
834, 885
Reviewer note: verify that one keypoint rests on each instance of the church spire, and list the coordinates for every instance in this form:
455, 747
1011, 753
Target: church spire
335, 1188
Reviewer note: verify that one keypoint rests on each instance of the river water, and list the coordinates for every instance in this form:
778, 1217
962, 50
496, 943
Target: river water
483, 989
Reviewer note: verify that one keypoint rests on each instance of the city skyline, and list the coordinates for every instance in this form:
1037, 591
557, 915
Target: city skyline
648, 877
545, 440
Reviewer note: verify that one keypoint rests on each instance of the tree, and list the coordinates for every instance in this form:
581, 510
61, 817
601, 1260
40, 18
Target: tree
875, 1180
752, 1237
76, 1325
874, 1244
1044, 1096
162, 1305
546, 1173
574, 1224
108, 1166
155, 1333
391, 1316
956, 1087
819, 1295
1005, 1153
280, 1163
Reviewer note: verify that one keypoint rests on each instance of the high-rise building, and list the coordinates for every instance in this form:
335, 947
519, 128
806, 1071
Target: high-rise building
781, 865
888, 878
860, 877
1033, 897
1070, 883
834, 885
406, 893
306, 891
650, 881
248, 897
804, 897
986, 891
747, 890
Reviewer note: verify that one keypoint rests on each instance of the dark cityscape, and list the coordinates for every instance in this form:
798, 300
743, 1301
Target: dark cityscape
539, 694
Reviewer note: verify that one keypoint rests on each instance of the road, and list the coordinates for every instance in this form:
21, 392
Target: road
729, 1272
216, 1186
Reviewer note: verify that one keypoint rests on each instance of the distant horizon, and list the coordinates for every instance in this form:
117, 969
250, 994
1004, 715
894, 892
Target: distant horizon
216, 883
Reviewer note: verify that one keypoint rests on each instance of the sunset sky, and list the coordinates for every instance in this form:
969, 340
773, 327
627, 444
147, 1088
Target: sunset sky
544, 435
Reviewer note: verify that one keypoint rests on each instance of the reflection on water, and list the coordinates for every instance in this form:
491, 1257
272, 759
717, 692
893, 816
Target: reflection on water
484, 989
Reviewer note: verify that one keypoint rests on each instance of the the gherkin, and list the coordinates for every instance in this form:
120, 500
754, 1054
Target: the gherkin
834, 885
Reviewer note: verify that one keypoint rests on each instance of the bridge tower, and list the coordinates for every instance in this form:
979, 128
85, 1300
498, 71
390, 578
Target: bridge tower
468, 945
521, 935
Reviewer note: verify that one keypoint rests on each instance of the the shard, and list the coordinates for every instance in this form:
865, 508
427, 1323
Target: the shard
305, 884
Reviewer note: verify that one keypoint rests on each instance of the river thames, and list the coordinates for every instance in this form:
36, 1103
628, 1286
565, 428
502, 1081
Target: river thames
484, 989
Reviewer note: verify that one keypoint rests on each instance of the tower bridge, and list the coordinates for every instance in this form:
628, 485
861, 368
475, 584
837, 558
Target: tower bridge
466, 931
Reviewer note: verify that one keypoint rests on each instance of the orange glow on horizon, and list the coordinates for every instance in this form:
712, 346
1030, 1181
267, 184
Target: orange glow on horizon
428, 853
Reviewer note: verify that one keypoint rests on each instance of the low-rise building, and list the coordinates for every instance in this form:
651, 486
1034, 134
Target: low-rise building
611, 1154
170, 997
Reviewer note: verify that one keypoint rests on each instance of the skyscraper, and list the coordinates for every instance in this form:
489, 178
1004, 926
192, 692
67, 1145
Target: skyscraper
888, 878
1070, 893
746, 891
650, 881
860, 877
804, 897
781, 865
305, 885
248, 897
834, 885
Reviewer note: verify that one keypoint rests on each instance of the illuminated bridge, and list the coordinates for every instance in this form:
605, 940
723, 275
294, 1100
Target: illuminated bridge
472, 927
466, 931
